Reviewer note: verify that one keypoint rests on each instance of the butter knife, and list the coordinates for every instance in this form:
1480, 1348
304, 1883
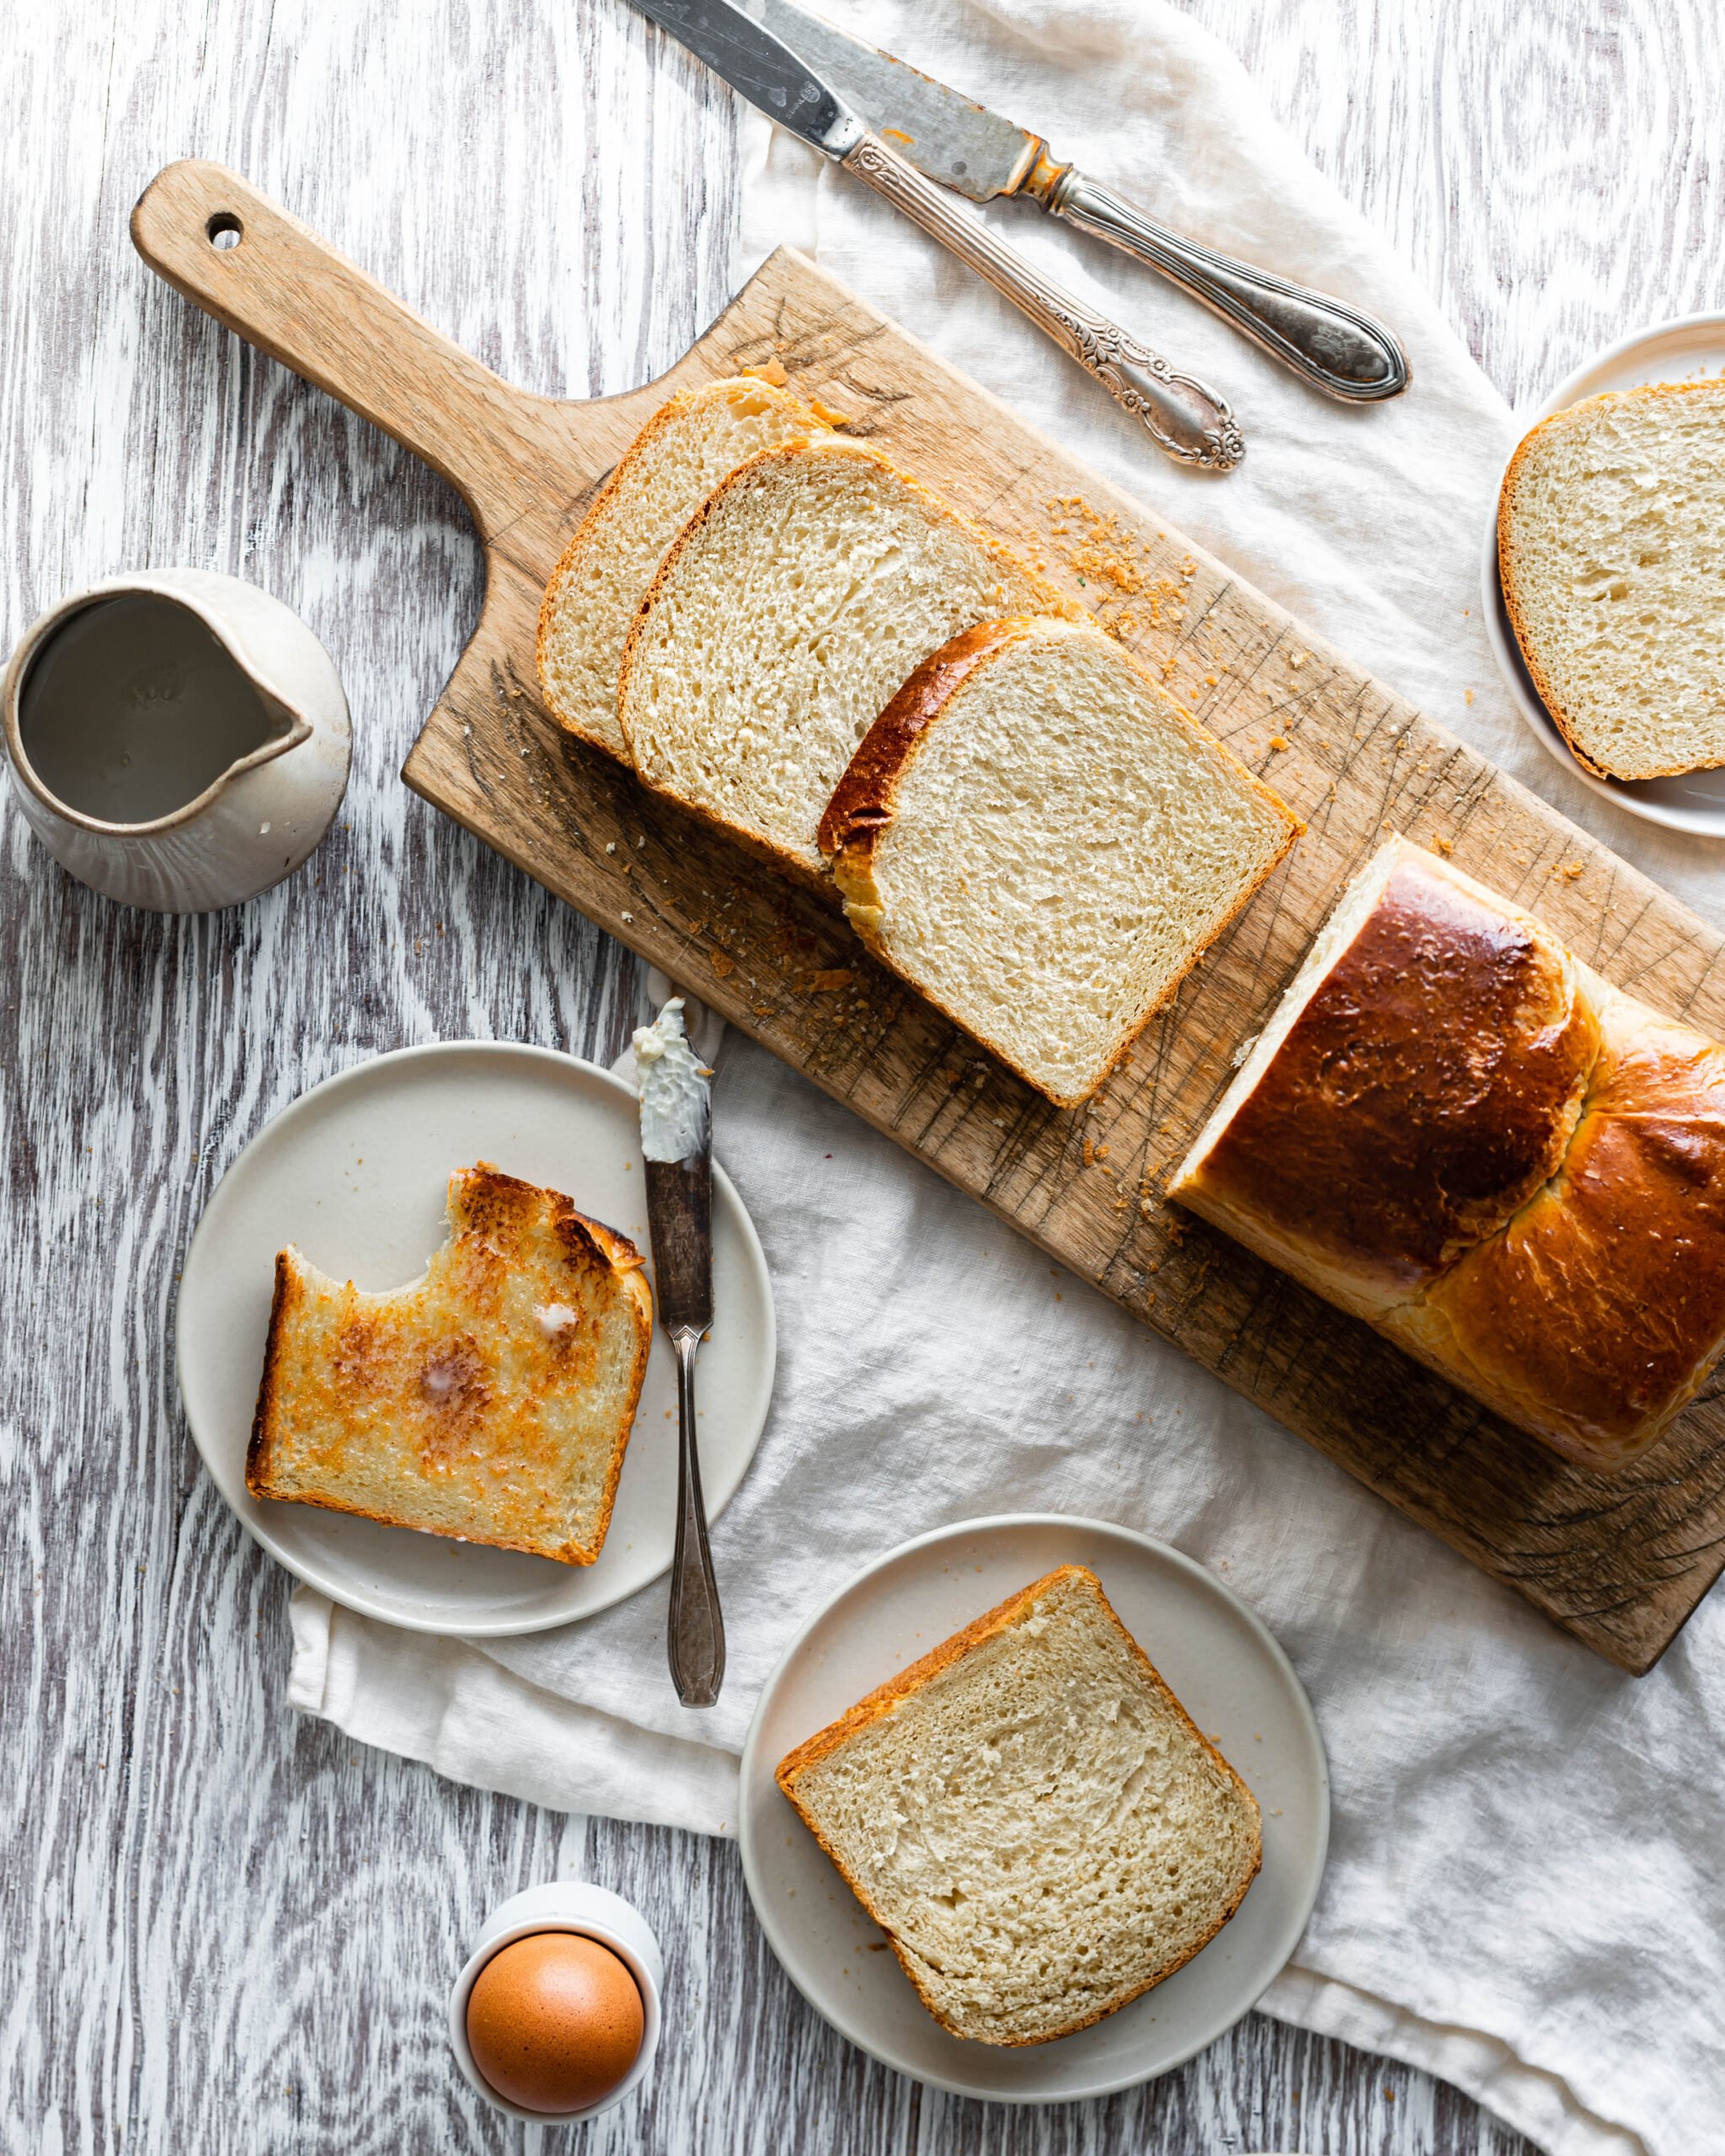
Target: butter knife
1183, 415
677, 1148
981, 154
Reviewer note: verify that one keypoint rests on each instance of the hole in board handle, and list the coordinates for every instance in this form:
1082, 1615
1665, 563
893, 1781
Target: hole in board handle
224, 230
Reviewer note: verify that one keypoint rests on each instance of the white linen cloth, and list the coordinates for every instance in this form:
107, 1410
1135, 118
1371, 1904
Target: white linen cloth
1526, 1884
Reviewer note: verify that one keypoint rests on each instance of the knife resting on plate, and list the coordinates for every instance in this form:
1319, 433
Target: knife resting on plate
1183, 415
676, 1150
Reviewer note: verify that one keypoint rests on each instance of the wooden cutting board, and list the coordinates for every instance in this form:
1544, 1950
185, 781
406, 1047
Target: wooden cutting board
1619, 1563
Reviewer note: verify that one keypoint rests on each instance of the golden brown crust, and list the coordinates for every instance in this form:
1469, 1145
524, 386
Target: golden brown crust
673, 409
861, 807
259, 1450
491, 1211
1426, 1090
885, 1698
1602, 1306
747, 474
1585, 1303
863, 799
1561, 422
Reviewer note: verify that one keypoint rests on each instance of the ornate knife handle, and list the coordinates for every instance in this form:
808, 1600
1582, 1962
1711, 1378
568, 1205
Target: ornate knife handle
1344, 353
1181, 414
695, 1633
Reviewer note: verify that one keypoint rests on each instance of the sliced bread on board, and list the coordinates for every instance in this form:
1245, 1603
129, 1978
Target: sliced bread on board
1614, 575
1031, 1819
595, 590
1037, 837
491, 1399
792, 607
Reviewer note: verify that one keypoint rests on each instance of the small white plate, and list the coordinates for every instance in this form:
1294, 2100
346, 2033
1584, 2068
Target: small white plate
1670, 351
1228, 1672
357, 1172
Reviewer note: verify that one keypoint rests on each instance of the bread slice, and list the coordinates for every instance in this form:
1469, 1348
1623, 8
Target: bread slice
785, 617
1031, 1817
1613, 576
1042, 841
490, 1401
595, 590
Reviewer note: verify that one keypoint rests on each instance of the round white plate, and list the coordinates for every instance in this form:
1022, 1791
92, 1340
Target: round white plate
355, 1172
1227, 1672
1670, 351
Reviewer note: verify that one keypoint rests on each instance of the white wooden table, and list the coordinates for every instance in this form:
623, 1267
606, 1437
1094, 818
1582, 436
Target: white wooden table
226, 1928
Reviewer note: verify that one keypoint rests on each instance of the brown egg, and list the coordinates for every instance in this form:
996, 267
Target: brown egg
554, 2021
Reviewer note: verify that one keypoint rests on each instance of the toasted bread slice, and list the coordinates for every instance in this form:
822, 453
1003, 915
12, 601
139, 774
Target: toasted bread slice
1029, 1815
673, 465
491, 1400
1038, 837
796, 602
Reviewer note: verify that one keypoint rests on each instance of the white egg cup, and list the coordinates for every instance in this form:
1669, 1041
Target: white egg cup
592, 1912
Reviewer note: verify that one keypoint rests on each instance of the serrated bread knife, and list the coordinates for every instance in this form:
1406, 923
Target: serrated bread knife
979, 153
1182, 414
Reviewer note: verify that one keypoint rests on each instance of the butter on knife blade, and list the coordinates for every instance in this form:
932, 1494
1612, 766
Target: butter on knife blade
676, 1102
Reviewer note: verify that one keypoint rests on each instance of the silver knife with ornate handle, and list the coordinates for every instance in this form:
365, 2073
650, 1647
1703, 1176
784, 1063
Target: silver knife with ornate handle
677, 1146
981, 154
1181, 413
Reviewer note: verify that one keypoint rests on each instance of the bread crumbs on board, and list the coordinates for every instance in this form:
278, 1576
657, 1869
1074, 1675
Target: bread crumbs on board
771, 371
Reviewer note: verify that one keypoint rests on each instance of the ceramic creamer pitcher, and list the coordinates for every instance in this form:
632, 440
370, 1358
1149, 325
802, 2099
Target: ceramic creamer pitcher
179, 739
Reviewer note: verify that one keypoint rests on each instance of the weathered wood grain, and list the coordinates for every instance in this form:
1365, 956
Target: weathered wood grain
1622, 1565
227, 1930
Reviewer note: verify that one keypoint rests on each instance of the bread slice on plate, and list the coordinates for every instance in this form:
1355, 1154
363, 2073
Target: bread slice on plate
491, 1400
595, 590
814, 579
1614, 576
1041, 840
1031, 1817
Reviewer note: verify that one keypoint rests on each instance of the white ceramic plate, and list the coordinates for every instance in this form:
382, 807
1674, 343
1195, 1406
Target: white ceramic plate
1670, 351
1229, 1674
356, 1173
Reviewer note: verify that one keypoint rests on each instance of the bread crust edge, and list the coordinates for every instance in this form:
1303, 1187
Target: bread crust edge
880, 1702
862, 803
1558, 423
673, 407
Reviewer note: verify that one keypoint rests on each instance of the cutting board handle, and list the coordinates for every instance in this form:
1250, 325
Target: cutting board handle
243, 258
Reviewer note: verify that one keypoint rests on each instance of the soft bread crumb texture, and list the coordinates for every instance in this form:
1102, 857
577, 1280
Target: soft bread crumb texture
1051, 847
1455, 1129
793, 607
491, 1399
1614, 575
684, 450
1032, 1818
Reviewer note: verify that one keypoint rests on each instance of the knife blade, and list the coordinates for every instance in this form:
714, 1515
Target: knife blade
982, 155
676, 1147
1183, 415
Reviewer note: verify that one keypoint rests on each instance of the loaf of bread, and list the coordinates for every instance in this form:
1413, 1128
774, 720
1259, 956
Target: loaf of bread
783, 621
1614, 575
1031, 1818
690, 444
1455, 1129
491, 1400
1042, 842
